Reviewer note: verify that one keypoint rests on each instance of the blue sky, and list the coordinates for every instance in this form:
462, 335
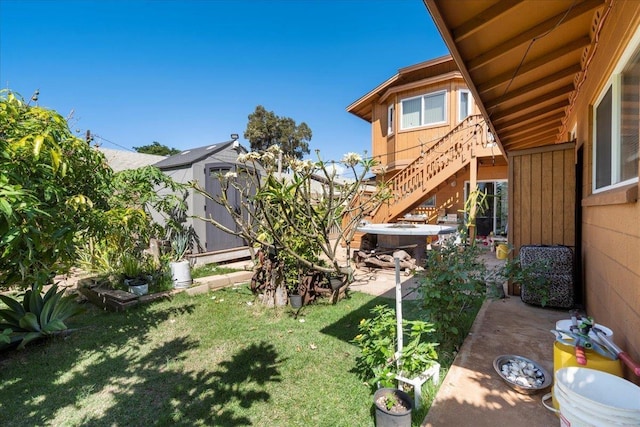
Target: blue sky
188, 73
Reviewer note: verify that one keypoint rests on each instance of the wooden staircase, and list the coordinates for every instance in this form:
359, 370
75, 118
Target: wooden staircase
411, 185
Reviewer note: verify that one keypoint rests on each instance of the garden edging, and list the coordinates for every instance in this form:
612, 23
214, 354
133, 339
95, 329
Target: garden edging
210, 283
117, 300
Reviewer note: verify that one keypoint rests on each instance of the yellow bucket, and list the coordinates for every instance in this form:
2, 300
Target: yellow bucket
564, 356
502, 251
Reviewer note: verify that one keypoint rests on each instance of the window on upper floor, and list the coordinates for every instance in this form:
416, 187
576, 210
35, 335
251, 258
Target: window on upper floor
617, 124
464, 104
390, 122
425, 110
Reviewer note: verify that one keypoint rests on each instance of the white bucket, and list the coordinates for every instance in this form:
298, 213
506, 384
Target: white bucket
592, 398
181, 274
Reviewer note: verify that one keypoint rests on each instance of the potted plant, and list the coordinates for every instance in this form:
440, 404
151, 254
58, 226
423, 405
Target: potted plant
180, 266
135, 277
393, 408
381, 365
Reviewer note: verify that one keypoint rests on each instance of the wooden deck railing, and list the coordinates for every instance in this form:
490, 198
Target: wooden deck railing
441, 160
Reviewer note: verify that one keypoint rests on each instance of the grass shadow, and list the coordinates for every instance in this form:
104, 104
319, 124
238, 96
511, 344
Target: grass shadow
122, 379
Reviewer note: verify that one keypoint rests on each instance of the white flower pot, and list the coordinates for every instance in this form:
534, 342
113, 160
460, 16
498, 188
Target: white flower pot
181, 274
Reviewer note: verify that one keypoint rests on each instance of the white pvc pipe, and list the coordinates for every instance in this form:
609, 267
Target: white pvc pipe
398, 312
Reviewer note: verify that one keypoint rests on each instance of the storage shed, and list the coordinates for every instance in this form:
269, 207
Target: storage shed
204, 164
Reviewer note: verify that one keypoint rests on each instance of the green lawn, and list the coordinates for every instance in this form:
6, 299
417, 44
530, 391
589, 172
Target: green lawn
216, 359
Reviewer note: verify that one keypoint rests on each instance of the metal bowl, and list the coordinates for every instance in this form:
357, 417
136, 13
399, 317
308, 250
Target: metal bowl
499, 361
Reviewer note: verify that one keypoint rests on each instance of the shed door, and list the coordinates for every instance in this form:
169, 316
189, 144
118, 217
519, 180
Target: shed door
217, 239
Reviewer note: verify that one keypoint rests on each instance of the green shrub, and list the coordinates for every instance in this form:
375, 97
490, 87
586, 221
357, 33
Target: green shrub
378, 343
451, 285
37, 316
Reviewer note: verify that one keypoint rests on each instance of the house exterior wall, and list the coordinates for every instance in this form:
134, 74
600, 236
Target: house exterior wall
402, 146
610, 233
450, 195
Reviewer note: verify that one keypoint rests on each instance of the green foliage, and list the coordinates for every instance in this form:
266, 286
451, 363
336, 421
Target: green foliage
5, 336
378, 343
452, 282
265, 129
476, 204
283, 200
37, 316
182, 237
529, 277
179, 246
132, 267
390, 400
157, 149
127, 226
53, 187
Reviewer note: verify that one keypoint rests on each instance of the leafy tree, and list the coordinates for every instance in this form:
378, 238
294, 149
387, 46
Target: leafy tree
265, 129
128, 224
53, 186
157, 148
290, 217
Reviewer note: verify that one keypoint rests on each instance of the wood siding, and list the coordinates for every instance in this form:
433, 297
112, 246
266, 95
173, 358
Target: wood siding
450, 197
402, 146
542, 188
610, 234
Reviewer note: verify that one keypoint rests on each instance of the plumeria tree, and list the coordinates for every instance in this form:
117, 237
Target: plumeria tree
298, 216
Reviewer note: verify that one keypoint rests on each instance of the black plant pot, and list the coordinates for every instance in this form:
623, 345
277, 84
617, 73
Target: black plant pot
295, 301
336, 283
394, 417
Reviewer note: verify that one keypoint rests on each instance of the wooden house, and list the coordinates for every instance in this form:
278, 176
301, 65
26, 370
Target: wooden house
558, 83
433, 147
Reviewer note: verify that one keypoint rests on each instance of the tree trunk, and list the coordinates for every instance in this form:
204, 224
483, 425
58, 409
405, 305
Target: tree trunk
275, 294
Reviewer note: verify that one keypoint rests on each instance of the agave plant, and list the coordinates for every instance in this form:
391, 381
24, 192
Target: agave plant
37, 316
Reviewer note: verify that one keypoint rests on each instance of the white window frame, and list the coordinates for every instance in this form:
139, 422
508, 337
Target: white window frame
422, 115
615, 84
464, 114
390, 119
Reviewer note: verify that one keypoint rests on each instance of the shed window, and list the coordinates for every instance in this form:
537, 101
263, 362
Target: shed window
423, 110
617, 125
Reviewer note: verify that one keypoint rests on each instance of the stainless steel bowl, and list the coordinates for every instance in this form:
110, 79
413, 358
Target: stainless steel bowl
499, 361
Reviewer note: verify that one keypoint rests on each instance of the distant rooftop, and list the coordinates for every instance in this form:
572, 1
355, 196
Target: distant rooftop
120, 160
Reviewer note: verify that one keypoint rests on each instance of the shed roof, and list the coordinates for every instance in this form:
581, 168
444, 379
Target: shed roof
193, 155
